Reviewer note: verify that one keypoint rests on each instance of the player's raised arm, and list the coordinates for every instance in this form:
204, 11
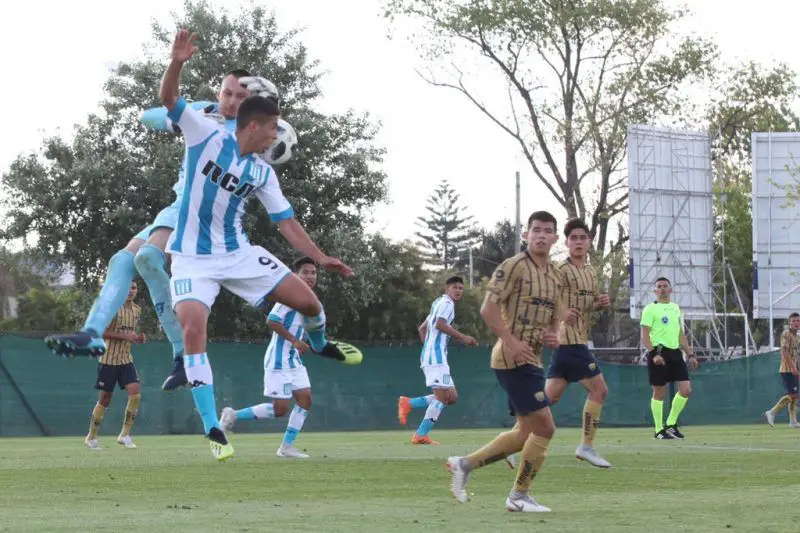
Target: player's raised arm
183, 48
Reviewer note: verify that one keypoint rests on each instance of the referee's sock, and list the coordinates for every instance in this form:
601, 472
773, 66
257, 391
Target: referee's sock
678, 403
657, 408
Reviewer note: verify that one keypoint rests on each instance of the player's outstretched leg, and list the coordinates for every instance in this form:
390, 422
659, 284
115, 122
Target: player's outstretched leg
406, 404
229, 416
784, 401
151, 265
89, 341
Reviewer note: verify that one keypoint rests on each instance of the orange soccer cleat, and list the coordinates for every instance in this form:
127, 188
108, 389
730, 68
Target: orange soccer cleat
416, 439
403, 408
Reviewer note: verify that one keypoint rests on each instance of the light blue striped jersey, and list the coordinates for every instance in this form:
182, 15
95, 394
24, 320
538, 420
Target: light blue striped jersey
281, 355
156, 118
434, 349
219, 182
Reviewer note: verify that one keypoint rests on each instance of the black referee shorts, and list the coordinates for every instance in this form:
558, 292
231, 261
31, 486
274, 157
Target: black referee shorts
674, 368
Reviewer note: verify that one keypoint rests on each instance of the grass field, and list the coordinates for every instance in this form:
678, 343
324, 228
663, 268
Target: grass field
740, 478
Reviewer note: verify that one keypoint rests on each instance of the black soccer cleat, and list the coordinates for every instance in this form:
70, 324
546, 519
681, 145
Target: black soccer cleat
85, 343
674, 431
177, 378
663, 435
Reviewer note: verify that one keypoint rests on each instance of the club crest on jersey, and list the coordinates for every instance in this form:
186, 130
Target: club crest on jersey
227, 181
665, 319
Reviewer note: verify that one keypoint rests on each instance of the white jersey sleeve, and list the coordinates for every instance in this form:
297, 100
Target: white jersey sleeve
445, 310
278, 313
196, 128
272, 198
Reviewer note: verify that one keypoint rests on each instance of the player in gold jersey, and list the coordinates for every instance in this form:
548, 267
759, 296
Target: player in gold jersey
116, 367
789, 373
523, 308
572, 361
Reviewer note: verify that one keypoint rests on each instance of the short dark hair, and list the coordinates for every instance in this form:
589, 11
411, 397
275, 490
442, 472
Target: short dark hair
542, 216
305, 260
662, 278
454, 279
238, 73
256, 108
793, 315
573, 224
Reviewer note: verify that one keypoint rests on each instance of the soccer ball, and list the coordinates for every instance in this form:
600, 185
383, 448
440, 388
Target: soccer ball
281, 150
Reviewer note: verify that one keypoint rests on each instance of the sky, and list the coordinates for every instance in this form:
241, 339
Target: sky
429, 133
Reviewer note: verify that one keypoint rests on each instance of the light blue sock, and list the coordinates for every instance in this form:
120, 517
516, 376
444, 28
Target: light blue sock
431, 416
421, 401
296, 420
256, 412
121, 272
201, 379
151, 264
315, 328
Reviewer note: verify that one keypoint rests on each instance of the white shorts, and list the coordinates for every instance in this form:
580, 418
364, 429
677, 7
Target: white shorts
250, 273
282, 383
438, 377
166, 218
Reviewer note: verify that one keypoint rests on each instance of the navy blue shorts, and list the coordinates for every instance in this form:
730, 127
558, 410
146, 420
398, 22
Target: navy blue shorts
524, 387
573, 362
110, 375
791, 382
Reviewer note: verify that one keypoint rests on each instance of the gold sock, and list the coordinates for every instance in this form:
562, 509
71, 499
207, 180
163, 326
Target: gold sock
501, 447
783, 402
793, 410
533, 455
591, 420
97, 418
130, 413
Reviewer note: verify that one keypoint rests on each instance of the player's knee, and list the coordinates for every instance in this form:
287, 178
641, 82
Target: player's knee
105, 399
685, 389
304, 400
311, 308
148, 259
452, 397
599, 393
193, 330
281, 408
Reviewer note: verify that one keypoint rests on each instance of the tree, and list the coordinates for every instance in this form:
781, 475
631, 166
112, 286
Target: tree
446, 229
751, 98
115, 176
492, 248
576, 72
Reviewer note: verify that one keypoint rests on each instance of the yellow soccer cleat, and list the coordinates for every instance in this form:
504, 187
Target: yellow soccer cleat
342, 352
221, 449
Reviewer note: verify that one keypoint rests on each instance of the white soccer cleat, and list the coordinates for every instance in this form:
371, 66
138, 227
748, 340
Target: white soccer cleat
770, 418
584, 453
458, 480
92, 444
794, 424
126, 441
525, 504
227, 419
290, 452
511, 461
